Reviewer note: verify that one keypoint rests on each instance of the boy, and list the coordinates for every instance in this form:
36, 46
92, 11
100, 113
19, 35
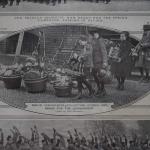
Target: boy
82, 64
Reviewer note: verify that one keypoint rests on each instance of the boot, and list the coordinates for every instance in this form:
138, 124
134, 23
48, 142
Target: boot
98, 92
122, 87
103, 92
118, 86
91, 93
79, 96
141, 79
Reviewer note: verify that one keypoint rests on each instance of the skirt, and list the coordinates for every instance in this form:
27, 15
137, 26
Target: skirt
122, 69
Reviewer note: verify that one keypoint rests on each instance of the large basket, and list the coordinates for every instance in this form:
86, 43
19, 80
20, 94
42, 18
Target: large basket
12, 82
63, 91
36, 85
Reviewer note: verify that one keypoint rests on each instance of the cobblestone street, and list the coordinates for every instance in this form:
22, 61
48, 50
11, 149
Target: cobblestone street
133, 91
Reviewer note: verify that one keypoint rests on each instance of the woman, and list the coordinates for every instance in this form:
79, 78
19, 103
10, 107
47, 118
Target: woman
122, 67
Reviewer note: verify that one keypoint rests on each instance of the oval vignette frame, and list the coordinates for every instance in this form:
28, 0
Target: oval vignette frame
82, 25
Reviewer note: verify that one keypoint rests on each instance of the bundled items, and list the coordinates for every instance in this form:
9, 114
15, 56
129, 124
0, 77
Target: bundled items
105, 75
11, 75
113, 53
11, 70
32, 75
62, 83
35, 78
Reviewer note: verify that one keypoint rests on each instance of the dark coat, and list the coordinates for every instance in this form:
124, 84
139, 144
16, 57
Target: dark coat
123, 68
3, 2
144, 53
99, 53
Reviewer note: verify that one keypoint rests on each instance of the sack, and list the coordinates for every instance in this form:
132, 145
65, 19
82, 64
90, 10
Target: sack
105, 75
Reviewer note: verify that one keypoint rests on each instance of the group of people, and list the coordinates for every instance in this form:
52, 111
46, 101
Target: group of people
72, 141
97, 1
92, 58
4, 3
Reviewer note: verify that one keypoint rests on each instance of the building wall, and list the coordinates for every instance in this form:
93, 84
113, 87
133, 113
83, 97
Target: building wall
53, 39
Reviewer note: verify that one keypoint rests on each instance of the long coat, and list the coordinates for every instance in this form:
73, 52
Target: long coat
124, 67
144, 53
99, 53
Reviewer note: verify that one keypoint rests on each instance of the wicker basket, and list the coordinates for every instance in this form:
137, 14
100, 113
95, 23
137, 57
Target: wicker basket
63, 91
36, 85
12, 82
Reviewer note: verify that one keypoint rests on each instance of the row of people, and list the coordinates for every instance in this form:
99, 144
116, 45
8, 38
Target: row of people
3, 3
97, 1
72, 141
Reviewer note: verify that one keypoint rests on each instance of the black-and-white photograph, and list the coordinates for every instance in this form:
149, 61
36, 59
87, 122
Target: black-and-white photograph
74, 5
74, 64
74, 134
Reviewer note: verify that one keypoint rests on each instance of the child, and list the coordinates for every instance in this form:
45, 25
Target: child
79, 63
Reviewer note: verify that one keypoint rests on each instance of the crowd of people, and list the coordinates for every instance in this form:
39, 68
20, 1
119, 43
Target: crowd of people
4, 3
72, 141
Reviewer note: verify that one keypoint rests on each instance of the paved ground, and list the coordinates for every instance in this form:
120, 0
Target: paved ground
76, 5
133, 90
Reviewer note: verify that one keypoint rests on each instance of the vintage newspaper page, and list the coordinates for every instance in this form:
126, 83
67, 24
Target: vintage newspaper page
75, 63
74, 74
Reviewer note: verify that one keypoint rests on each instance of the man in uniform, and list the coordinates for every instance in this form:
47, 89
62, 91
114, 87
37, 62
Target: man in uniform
1, 140
99, 55
143, 61
4, 3
54, 2
59, 1
106, 1
17, 2
11, 2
